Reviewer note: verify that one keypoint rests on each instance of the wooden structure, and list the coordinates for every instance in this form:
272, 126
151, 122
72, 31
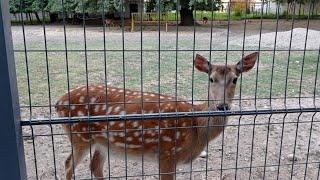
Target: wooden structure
149, 18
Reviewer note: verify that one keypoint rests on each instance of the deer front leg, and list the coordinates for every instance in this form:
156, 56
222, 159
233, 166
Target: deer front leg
79, 152
167, 169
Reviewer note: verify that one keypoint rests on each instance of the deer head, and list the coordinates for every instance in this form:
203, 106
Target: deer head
223, 79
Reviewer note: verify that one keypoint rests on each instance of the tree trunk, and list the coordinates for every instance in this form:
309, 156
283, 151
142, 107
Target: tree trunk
37, 17
186, 17
53, 17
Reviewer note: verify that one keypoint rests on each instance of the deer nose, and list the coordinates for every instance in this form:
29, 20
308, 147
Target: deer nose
223, 107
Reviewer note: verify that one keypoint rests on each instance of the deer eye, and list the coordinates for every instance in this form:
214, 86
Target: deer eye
211, 80
235, 81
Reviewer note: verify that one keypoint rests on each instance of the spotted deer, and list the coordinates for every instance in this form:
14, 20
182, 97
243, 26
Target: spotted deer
170, 141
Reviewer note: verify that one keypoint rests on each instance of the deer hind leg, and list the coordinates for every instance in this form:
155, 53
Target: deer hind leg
167, 169
97, 162
79, 152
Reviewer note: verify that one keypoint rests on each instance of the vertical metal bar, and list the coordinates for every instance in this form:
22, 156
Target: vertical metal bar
286, 85
208, 84
176, 87
300, 89
29, 88
256, 89
159, 83
106, 83
240, 89
271, 88
224, 89
89, 103
49, 86
12, 164
141, 85
314, 104
68, 82
192, 82
124, 87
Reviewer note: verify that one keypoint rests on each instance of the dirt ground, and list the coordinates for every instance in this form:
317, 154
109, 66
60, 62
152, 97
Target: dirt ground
251, 147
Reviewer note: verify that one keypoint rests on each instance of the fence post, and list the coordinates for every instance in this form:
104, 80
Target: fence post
12, 162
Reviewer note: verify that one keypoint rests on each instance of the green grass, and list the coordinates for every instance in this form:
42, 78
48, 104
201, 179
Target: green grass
96, 70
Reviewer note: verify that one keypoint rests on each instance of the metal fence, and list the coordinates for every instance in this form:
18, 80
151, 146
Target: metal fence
151, 102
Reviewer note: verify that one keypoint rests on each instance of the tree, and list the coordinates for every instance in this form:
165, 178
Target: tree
188, 6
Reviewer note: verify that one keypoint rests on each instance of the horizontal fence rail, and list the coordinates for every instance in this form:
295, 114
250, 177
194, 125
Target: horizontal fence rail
190, 89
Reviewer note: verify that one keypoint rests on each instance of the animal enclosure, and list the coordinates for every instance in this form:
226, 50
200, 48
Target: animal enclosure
151, 86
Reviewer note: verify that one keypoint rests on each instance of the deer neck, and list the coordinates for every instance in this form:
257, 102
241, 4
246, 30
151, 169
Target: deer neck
211, 126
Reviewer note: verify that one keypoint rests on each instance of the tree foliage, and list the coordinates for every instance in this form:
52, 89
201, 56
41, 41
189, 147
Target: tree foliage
99, 6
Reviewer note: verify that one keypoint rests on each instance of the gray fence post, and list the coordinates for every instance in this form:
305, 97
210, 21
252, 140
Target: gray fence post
12, 162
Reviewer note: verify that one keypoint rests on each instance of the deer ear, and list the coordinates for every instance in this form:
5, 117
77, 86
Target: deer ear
202, 64
247, 62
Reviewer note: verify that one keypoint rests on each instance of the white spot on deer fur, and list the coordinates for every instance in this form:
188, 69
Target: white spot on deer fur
81, 99
166, 138
177, 134
184, 124
121, 134
91, 88
84, 129
61, 113
84, 89
66, 103
120, 91
120, 144
129, 138
162, 97
135, 124
111, 139
109, 110
93, 99
73, 107
96, 108
169, 98
80, 113
136, 134
78, 94
121, 124
184, 134
152, 95
147, 99
104, 107
117, 109
97, 123
86, 106
122, 113
149, 140
134, 93
113, 89
151, 111
112, 123
132, 146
